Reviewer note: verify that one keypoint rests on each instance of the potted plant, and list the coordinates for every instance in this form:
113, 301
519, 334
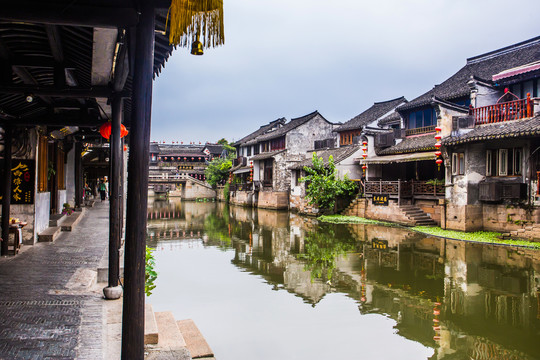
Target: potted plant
67, 209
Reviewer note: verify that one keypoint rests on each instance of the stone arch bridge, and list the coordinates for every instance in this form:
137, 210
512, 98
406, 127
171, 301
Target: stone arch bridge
182, 185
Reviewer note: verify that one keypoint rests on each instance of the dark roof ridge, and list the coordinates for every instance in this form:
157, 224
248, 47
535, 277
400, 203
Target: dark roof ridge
387, 101
312, 114
504, 50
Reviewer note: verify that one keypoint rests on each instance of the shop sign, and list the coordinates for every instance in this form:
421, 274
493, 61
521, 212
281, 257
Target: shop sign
380, 199
23, 182
379, 244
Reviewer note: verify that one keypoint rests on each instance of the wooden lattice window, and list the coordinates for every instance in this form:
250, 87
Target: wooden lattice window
42, 163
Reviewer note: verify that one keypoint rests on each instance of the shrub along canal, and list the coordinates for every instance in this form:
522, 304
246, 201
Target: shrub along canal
263, 284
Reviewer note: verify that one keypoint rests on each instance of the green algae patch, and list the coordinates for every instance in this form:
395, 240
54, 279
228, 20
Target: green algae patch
342, 219
488, 237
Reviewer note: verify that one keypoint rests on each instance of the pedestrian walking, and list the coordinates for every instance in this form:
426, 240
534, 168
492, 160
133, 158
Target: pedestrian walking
102, 189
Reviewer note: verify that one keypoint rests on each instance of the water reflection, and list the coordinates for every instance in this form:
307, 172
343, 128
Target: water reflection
463, 300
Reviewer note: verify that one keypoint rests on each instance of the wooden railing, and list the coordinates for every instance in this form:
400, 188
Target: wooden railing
404, 189
511, 110
420, 130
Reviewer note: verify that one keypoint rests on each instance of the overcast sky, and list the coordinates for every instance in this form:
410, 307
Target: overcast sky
287, 58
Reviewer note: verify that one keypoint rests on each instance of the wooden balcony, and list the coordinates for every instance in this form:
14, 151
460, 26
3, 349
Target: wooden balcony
420, 130
506, 111
401, 189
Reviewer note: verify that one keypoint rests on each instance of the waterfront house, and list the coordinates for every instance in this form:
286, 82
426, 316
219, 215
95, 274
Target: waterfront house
380, 114
484, 132
277, 149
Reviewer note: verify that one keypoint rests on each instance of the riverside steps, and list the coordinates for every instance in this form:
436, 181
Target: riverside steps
52, 305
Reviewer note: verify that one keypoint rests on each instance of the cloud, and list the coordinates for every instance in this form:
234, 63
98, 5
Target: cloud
288, 58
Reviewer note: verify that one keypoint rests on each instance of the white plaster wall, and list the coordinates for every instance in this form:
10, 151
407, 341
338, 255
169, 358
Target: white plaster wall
43, 204
302, 139
60, 200
70, 178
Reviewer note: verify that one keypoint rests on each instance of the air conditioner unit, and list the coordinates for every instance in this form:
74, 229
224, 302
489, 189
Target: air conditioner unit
514, 191
384, 140
489, 191
462, 122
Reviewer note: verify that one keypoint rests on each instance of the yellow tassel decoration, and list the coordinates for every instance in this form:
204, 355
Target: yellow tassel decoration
187, 18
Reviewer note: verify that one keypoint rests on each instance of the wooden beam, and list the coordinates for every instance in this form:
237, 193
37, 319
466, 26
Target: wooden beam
84, 121
45, 12
6, 189
55, 43
66, 92
137, 200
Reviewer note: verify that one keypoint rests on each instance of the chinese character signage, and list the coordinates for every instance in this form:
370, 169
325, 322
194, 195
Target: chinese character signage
380, 199
23, 181
379, 244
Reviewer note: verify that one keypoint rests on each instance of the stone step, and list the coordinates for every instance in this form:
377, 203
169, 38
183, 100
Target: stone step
56, 219
103, 267
72, 220
195, 342
49, 234
170, 337
150, 326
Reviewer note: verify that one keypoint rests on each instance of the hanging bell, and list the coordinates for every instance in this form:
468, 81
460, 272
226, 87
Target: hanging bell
197, 47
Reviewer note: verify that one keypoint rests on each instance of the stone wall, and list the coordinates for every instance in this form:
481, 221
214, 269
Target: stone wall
300, 204
193, 190
432, 208
464, 217
242, 198
273, 199
365, 208
504, 218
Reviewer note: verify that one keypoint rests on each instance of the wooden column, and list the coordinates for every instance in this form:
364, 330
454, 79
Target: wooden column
6, 188
78, 175
137, 195
114, 199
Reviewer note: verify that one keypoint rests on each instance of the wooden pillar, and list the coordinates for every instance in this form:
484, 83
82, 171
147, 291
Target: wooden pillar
6, 188
137, 196
78, 175
114, 198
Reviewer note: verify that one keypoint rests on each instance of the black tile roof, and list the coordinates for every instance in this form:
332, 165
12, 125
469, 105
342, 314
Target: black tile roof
411, 144
266, 155
377, 110
260, 131
293, 124
502, 130
339, 154
392, 118
215, 149
482, 67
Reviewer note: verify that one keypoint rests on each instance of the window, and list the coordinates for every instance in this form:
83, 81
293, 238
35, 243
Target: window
277, 144
458, 163
422, 118
248, 151
504, 162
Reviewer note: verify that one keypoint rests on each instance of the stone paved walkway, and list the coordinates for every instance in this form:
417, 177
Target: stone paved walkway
47, 310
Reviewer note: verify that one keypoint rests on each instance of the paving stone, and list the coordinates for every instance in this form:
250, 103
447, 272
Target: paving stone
38, 323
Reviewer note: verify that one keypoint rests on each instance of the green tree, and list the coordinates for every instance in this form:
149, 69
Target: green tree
323, 186
218, 171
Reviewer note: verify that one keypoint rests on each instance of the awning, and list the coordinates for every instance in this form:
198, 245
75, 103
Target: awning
399, 158
241, 170
517, 71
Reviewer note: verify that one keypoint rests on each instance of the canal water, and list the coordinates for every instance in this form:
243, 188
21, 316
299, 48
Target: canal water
269, 285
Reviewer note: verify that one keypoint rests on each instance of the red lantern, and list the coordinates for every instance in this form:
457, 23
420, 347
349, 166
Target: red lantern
438, 153
364, 156
439, 162
364, 143
438, 145
105, 130
159, 157
438, 137
438, 129
364, 167
125, 147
